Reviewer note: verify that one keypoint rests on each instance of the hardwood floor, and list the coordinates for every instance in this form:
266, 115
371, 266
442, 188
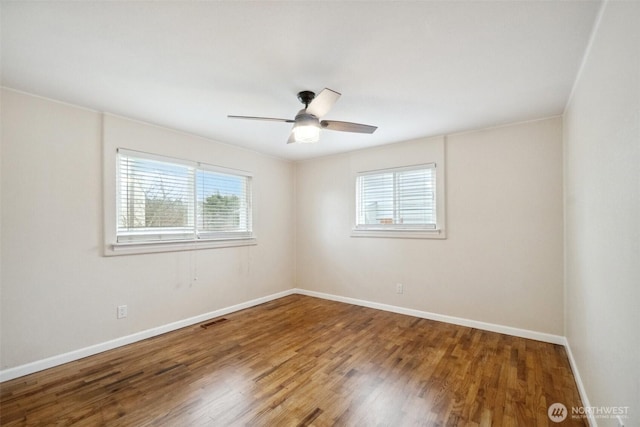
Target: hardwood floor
300, 361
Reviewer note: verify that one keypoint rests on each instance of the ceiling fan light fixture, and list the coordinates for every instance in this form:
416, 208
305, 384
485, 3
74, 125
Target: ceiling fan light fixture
306, 128
306, 134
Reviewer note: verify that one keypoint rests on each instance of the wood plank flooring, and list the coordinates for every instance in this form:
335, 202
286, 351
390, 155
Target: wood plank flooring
301, 361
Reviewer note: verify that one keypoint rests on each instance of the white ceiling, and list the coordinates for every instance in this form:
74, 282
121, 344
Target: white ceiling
411, 68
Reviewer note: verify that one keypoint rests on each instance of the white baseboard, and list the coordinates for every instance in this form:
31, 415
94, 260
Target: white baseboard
39, 365
492, 327
50, 362
581, 389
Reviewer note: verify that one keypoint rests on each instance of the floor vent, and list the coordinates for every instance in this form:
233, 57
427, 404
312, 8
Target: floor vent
213, 322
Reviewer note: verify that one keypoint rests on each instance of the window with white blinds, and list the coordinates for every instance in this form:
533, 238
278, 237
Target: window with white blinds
164, 199
397, 199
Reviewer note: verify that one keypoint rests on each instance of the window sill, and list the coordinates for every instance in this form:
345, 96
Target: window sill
116, 249
400, 234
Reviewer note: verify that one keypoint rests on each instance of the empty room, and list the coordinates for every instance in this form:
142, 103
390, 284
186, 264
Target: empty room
319, 213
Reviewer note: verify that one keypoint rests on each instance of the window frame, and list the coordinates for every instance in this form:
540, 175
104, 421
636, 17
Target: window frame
414, 231
395, 200
198, 240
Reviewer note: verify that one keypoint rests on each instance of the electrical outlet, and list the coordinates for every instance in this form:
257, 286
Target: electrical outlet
122, 311
399, 288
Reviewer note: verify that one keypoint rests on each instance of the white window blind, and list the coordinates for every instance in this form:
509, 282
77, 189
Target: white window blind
223, 205
163, 199
397, 199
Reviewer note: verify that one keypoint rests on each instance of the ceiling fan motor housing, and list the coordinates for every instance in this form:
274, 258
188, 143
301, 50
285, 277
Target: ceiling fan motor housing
303, 118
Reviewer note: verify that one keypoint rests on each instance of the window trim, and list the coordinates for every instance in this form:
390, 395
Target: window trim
212, 239
177, 245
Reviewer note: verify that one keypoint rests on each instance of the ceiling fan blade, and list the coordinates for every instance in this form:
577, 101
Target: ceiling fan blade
271, 119
323, 102
292, 138
347, 126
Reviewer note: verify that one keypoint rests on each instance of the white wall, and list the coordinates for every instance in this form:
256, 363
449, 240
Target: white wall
502, 261
602, 208
59, 293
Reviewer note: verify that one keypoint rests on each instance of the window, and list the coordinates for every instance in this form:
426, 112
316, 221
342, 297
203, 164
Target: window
161, 199
400, 199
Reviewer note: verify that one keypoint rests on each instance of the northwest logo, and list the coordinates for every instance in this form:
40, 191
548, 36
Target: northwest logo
557, 412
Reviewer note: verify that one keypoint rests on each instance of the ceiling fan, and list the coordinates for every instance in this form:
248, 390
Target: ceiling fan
307, 123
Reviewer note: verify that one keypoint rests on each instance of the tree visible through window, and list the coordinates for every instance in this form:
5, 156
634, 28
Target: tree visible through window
220, 212
166, 199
